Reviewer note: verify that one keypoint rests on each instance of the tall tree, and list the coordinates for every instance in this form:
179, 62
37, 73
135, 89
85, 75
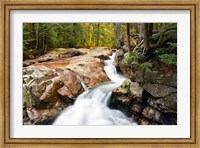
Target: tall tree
150, 29
141, 35
117, 35
98, 32
147, 32
146, 39
37, 36
128, 38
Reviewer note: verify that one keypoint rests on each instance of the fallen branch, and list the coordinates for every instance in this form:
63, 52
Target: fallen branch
137, 46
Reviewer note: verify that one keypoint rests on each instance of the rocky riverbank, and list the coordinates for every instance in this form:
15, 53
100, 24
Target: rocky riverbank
54, 80
149, 96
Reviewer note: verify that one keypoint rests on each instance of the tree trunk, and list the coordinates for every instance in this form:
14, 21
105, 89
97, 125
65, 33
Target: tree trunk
98, 34
141, 35
118, 35
128, 38
72, 35
33, 36
146, 39
45, 44
150, 29
37, 36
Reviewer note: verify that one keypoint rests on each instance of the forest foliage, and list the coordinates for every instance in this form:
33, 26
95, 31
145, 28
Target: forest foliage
141, 40
39, 37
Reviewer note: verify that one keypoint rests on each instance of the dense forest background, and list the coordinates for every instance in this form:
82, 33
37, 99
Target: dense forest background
38, 38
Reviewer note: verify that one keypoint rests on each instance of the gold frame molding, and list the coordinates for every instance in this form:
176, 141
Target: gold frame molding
7, 5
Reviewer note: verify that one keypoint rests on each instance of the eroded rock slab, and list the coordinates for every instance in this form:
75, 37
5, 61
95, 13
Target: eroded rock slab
159, 90
166, 104
42, 84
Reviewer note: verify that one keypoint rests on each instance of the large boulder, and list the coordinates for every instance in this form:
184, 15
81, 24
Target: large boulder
159, 77
157, 116
123, 89
42, 84
118, 57
90, 70
136, 90
159, 90
40, 116
130, 88
126, 97
166, 104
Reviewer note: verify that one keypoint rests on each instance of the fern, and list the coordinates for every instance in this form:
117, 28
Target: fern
146, 66
170, 59
172, 45
135, 56
128, 59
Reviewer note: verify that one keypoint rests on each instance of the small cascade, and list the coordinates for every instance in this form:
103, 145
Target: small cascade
91, 107
83, 84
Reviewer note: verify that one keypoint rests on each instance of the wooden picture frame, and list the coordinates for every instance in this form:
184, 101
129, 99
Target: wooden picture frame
7, 5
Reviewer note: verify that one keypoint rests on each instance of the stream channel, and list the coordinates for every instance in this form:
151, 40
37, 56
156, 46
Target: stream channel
91, 107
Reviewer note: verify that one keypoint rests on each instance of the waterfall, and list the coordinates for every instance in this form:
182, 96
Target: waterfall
91, 107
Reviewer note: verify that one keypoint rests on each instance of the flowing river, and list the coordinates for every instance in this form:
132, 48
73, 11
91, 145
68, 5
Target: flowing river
91, 107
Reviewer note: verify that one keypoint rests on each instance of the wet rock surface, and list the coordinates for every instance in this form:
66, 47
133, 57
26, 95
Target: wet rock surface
125, 96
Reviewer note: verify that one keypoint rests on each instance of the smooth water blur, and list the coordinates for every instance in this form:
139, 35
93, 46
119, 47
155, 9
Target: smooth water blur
91, 107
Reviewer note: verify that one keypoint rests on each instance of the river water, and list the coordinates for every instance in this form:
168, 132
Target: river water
91, 107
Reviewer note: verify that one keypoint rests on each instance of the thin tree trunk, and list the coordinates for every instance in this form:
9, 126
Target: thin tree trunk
118, 35
141, 35
150, 29
88, 37
45, 45
33, 36
37, 37
98, 34
146, 39
72, 35
128, 38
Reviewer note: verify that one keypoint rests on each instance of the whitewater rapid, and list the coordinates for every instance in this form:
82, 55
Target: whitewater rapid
91, 107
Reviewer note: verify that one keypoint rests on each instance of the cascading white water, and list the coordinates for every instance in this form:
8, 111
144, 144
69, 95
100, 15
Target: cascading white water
90, 108
83, 85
